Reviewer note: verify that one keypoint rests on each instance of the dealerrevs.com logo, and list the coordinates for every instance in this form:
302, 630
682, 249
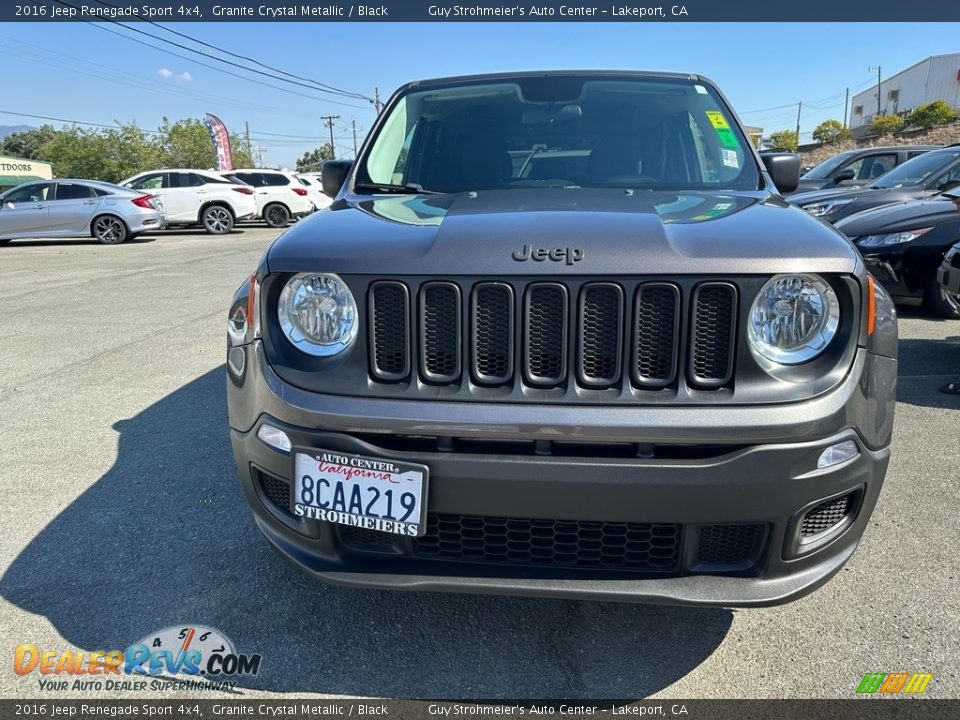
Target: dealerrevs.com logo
900, 683
180, 657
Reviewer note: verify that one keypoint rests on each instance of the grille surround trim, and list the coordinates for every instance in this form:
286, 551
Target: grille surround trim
476, 375
529, 377
635, 349
582, 377
425, 372
696, 317
374, 366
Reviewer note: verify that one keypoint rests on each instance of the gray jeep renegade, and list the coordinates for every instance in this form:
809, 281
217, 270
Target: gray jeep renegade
558, 334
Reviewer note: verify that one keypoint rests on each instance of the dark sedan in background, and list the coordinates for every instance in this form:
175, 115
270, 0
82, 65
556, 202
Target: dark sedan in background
931, 173
948, 276
856, 168
904, 244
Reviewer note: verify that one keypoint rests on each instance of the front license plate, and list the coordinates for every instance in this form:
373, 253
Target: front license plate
364, 492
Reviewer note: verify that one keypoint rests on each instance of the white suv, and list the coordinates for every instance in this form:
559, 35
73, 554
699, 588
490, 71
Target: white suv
280, 196
197, 197
314, 186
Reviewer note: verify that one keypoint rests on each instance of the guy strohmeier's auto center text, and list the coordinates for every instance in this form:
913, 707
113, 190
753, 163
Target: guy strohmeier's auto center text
92, 10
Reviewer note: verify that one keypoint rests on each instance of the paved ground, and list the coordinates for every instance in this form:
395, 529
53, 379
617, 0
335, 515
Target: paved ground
122, 515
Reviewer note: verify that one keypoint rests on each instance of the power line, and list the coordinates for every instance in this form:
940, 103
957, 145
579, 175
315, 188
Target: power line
311, 84
201, 64
74, 122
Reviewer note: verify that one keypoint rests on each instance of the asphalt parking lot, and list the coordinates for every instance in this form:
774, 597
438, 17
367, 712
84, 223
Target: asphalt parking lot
123, 515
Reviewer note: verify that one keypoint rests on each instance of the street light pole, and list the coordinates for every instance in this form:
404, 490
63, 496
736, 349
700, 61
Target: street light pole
870, 69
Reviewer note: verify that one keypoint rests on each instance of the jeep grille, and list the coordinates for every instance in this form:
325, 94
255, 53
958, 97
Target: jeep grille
548, 335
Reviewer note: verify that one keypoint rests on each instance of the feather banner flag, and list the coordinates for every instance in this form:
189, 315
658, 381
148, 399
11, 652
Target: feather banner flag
221, 142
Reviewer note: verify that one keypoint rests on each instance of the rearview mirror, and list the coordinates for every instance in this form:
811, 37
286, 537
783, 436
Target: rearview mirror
333, 173
784, 170
844, 175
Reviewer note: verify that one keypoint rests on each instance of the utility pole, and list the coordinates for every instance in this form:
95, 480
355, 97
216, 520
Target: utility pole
846, 103
870, 69
328, 123
799, 105
376, 100
249, 149
353, 123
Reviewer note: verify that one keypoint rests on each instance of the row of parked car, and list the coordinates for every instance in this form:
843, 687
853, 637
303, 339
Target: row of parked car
156, 200
905, 221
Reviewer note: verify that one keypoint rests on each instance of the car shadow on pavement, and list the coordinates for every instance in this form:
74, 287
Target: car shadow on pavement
924, 367
57, 242
165, 538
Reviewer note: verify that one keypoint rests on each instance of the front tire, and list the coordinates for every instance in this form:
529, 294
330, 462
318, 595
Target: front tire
939, 301
110, 230
217, 220
276, 215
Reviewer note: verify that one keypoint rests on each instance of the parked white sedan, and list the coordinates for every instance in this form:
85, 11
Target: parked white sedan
76, 208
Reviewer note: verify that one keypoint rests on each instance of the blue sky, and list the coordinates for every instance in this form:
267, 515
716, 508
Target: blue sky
78, 71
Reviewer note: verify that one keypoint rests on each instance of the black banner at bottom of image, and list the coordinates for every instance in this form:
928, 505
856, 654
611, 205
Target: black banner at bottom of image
312, 709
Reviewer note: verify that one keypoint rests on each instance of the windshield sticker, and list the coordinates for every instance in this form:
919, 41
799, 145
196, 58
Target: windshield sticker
700, 89
720, 124
729, 158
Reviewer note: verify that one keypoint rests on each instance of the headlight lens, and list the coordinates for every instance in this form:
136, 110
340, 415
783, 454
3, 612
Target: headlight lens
891, 238
793, 319
826, 208
318, 314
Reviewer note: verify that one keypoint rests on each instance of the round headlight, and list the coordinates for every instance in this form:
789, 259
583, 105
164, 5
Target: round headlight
318, 314
793, 319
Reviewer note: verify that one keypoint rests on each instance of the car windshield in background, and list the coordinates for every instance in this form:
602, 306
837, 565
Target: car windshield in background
915, 171
822, 170
561, 131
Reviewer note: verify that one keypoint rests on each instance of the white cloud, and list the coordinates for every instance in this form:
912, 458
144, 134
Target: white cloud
165, 72
186, 77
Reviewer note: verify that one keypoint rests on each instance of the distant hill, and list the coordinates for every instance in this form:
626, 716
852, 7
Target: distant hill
11, 129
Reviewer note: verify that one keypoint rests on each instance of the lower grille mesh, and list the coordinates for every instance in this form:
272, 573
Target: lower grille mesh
729, 545
276, 490
825, 516
551, 543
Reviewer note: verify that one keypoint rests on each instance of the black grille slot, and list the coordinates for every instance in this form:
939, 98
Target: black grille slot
545, 331
601, 335
825, 516
492, 322
656, 325
552, 543
729, 547
389, 329
440, 332
714, 325
276, 490
363, 536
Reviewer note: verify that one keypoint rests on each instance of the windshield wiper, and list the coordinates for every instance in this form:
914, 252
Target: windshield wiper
406, 188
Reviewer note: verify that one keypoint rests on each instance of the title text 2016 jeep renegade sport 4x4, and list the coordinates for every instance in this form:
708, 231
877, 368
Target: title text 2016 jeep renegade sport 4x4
559, 335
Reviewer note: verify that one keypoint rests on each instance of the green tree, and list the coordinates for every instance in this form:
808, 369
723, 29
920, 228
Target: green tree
886, 124
784, 141
80, 153
131, 150
831, 131
312, 160
186, 144
27, 144
932, 114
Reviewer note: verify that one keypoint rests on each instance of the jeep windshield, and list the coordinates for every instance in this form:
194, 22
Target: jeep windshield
559, 131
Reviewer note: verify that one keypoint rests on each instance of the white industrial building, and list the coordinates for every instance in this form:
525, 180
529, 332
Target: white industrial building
936, 78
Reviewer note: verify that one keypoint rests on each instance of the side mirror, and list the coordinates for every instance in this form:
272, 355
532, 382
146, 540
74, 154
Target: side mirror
333, 173
784, 170
844, 175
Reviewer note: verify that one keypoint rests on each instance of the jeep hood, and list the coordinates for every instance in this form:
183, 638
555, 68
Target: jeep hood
617, 233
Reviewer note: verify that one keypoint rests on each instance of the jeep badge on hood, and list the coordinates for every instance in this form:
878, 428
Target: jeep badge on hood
570, 255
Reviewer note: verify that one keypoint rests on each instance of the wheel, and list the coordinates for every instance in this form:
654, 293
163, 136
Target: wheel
939, 301
276, 215
110, 230
217, 220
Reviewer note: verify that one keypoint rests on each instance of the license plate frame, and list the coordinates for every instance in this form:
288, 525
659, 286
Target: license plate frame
372, 474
